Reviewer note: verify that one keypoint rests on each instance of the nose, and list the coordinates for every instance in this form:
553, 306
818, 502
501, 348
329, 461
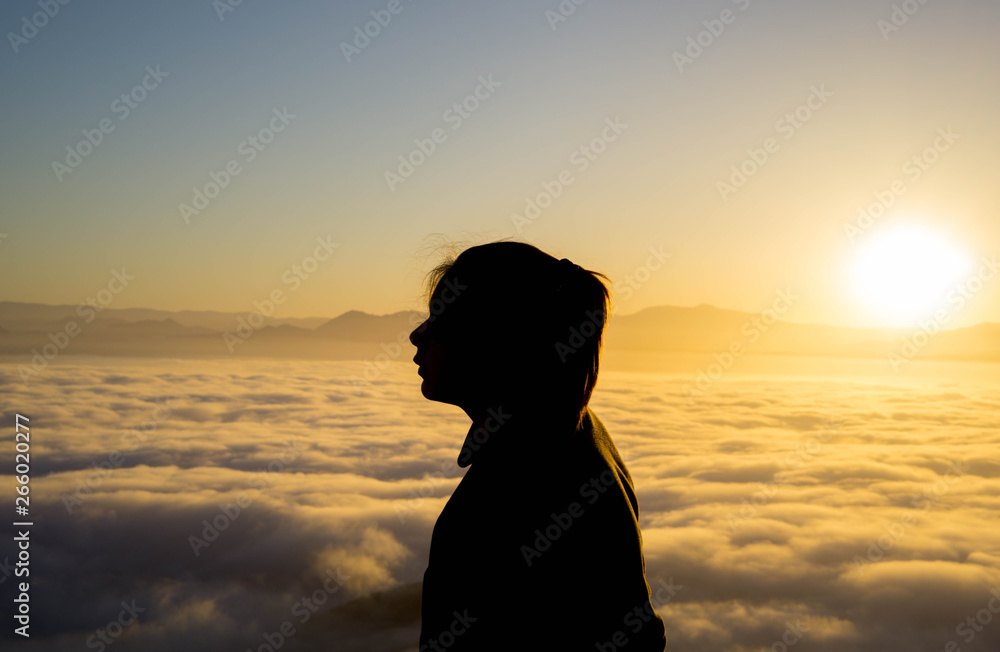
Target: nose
417, 335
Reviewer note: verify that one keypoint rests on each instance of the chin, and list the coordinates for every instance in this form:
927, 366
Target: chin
427, 388
426, 391
433, 393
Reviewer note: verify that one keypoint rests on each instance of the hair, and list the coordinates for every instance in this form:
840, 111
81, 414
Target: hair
539, 320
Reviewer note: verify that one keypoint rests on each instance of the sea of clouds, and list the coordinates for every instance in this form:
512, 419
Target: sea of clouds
801, 514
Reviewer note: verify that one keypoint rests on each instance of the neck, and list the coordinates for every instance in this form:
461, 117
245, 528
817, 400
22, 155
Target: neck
490, 416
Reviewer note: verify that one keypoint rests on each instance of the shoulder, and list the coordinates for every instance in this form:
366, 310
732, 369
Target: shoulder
607, 464
605, 445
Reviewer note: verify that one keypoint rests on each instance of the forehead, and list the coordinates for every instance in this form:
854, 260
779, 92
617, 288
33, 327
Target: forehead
448, 287
449, 298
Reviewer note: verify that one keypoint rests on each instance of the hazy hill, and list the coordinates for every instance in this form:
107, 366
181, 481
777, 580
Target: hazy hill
361, 336
709, 329
361, 327
18, 316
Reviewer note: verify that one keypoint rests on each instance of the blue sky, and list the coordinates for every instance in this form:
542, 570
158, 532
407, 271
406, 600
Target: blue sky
557, 83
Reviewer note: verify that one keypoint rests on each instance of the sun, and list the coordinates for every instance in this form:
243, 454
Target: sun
903, 273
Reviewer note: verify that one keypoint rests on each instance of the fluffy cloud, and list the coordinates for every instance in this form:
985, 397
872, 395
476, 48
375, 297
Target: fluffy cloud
221, 496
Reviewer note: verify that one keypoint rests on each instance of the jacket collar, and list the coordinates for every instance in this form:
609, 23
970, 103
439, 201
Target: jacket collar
518, 432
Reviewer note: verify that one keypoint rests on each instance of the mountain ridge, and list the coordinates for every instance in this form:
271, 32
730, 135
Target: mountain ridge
26, 328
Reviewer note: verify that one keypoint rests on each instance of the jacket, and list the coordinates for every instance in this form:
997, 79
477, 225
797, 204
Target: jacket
539, 547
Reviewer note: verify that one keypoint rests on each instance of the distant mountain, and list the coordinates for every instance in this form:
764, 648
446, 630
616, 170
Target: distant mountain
361, 327
356, 335
164, 327
17, 316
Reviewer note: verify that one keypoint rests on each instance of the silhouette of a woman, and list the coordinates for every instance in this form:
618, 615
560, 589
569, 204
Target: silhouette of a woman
539, 546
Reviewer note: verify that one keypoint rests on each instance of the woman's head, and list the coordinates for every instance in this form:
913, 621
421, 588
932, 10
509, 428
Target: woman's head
511, 325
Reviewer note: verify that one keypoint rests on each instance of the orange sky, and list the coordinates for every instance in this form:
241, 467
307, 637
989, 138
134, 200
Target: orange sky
760, 160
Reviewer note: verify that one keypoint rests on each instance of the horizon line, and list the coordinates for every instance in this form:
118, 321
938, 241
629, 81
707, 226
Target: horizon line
405, 310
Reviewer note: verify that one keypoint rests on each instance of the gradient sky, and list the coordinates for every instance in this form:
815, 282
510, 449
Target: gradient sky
323, 176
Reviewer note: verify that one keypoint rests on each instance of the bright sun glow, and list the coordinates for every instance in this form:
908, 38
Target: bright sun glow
905, 272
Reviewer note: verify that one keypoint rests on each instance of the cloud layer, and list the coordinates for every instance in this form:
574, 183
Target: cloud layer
230, 497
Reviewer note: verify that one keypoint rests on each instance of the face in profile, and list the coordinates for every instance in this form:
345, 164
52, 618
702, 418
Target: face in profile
445, 362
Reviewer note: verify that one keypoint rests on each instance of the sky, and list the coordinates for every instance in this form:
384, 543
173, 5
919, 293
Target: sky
625, 130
